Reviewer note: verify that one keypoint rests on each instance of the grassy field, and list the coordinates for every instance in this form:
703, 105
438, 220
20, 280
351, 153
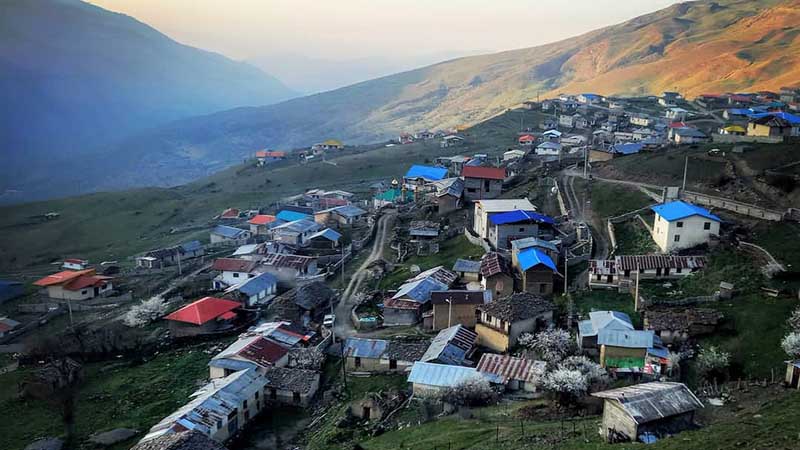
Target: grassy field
782, 240
610, 200
606, 300
449, 251
112, 395
633, 238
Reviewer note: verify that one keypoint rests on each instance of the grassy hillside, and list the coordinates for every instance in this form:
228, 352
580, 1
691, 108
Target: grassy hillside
692, 47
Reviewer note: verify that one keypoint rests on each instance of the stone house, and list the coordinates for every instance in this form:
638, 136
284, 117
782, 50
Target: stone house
496, 275
482, 182
456, 307
502, 321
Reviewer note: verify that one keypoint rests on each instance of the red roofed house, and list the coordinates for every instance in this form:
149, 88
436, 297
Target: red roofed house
207, 315
76, 285
264, 156
259, 224
482, 182
254, 352
527, 139
229, 214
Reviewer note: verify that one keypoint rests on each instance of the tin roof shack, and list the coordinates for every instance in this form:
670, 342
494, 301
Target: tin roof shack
456, 307
482, 182
163, 257
219, 410
208, 315
518, 224
448, 195
289, 269
624, 349
375, 406
515, 374
76, 285
424, 236
255, 291
429, 380
304, 304
496, 275
658, 408
624, 268
182, 440
793, 374
467, 270
291, 386
377, 355
674, 326
536, 271
406, 306
453, 346
223, 234
248, 352
600, 320
502, 321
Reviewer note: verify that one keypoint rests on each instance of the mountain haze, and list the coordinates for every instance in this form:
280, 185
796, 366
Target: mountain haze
74, 76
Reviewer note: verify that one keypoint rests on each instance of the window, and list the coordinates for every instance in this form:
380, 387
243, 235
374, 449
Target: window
357, 361
707, 226
219, 424
296, 397
680, 224
235, 275
392, 364
257, 395
677, 238
244, 405
522, 230
273, 393
83, 292
542, 288
486, 185
472, 190
678, 270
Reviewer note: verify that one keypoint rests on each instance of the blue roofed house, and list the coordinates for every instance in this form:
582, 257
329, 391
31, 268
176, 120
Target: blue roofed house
224, 234
536, 271
550, 248
378, 355
418, 177
287, 215
680, 225
295, 233
258, 290
467, 270
600, 320
429, 380
10, 290
326, 238
505, 227
405, 307
340, 216
453, 346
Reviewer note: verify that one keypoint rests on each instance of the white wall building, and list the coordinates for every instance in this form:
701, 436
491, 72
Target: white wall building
681, 225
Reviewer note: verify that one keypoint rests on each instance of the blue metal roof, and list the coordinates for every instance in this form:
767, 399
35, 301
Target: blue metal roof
258, 284
349, 211
680, 210
441, 375
228, 232
517, 216
192, 246
327, 233
531, 257
300, 226
420, 290
365, 348
522, 244
426, 172
465, 265
451, 346
627, 149
291, 216
625, 338
791, 118
232, 364
740, 111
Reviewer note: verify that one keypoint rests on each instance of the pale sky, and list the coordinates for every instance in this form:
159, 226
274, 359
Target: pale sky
402, 34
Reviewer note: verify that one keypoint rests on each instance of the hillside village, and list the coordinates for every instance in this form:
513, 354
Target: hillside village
547, 291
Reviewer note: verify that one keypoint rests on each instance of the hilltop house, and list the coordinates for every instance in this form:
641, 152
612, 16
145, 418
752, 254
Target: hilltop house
163, 257
526, 140
264, 157
456, 307
482, 182
289, 269
675, 326
484, 208
330, 144
655, 409
260, 224
547, 247
496, 275
548, 149
295, 233
512, 155
429, 379
688, 135
205, 316
377, 355
229, 235
406, 305
248, 352
451, 140
626, 268
681, 225
418, 177
76, 285
624, 349
773, 125
291, 215
502, 321
467, 270
347, 215
448, 195
506, 227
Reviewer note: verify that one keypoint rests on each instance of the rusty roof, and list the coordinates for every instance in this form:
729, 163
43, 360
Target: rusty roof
507, 368
648, 402
233, 265
493, 263
282, 260
650, 262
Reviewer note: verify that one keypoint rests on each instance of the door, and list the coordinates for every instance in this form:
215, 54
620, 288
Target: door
366, 412
392, 364
96, 291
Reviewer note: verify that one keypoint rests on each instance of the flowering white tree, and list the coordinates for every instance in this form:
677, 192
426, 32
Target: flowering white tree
794, 320
552, 345
145, 312
567, 384
674, 361
712, 361
592, 371
306, 358
791, 345
474, 391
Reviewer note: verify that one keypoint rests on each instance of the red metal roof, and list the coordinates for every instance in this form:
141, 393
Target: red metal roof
526, 138
230, 213
85, 281
263, 352
490, 173
262, 219
62, 277
233, 265
204, 310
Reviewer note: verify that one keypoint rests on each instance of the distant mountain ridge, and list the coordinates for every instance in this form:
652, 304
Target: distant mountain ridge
716, 46
74, 76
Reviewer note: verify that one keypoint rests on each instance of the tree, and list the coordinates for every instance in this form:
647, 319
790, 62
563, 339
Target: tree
712, 362
306, 358
551, 345
794, 320
145, 312
474, 391
791, 345
568, 385
592, 371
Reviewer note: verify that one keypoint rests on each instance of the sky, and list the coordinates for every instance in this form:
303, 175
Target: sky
318, 44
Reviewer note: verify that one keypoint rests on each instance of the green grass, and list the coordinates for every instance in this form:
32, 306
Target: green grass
606, 300
782, 240
112, 395
610, 200
633, 238
449, 251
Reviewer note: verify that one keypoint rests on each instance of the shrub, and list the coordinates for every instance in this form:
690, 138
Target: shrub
791, 345
551, 345
568, 385
145, 312
712, 363
474, 391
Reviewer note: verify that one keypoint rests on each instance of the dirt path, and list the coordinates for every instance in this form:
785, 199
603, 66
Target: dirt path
344, 326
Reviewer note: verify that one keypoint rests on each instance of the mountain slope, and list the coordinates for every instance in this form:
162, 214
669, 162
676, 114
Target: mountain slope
73, 75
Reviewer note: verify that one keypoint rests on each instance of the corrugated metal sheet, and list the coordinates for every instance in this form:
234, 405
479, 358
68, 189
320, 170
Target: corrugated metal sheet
465, 265
365, 348
440, 375
451, 346
517, 216
508, 368
652, 262
522, 244
532, 257
427, 173
420, 290
625, 338
653, 401
679, 210
228, 232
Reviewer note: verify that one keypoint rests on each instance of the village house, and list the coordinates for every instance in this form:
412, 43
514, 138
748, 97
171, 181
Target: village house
406, 306
792, 379
548, 247
449, 193
429, 380
680, 225
514, 374
330, 144
506, 227
483, 182
223, 234
600, 320
324, 239
780, 124
468, 271
248, 352
551, 136
291, 215
180, 440
418, 177
291, 386
375, 406
264, 157
496, 275
624, 349
548, 148
674, 326
636, 413
676, 114
304, 304
526, 140
513, 155
255, 291
75, 264
295, 233
340, 216
233, 271
164, 257
289, 269
260, 224
456, 307
626, 268
377, 355
502, 321
76, 285
589, 99
451, 140
454, 346
536, 271
423, 236
688, 135
7, 326
219, 410
208, 315
253, 252
229, 215
484, 208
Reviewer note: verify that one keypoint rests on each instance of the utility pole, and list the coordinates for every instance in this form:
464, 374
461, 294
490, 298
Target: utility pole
685, 171
636, 291
180, 270
566, 267
449, 311
585, 160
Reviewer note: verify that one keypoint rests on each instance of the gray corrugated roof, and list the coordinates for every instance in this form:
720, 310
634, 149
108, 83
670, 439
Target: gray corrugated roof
364, 348
440, 375
625, 338
653, 401
466, 265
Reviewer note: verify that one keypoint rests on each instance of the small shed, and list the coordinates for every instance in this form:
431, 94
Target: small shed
793, 374
658, 408
429, 379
